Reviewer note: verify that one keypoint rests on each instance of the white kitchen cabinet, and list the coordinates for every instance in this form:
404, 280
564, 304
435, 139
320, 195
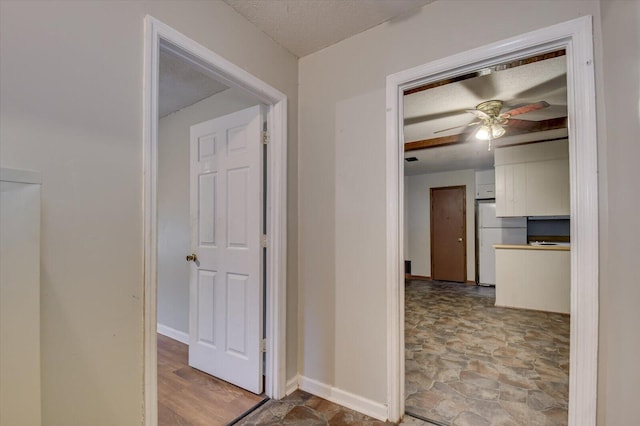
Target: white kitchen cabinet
533, 179
485, 184
548, 188
511, 190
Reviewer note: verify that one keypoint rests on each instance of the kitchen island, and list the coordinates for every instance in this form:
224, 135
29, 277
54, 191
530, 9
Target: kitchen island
534, 277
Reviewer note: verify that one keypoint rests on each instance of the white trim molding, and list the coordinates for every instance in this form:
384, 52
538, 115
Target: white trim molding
293, 384
174, 334
344, 398
576, 37
159, 36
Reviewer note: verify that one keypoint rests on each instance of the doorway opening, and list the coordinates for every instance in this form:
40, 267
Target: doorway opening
575, 38
209, 139
499, 353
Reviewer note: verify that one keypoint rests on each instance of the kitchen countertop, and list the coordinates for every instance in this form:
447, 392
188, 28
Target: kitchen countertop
530, 247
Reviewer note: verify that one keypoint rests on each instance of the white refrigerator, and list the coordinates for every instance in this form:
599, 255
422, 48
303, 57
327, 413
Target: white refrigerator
495, 230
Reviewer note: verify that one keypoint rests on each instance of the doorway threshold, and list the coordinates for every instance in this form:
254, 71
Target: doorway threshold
249, 411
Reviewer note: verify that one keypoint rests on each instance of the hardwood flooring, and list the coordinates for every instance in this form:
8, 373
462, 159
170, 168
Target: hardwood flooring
189, 397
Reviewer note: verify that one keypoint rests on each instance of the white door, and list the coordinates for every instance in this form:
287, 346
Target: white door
225, 304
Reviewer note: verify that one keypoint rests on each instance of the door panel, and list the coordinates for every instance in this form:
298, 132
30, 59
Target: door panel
207, 191
237, 182
448, 234
237, 307
226, 309
206, 321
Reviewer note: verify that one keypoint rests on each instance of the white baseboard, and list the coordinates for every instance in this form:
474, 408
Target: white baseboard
178, 335
363, 405
292, 385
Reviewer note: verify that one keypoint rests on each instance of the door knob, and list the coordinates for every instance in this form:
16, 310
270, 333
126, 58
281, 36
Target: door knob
459, 240
192, 257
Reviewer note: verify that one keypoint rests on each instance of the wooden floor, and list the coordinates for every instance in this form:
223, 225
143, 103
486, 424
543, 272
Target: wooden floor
188, 397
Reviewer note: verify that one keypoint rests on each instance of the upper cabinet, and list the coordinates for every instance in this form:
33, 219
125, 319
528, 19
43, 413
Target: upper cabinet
485, 184
533, 179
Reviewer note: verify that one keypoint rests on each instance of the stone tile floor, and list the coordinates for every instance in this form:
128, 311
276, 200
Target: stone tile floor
304, 409
471, 363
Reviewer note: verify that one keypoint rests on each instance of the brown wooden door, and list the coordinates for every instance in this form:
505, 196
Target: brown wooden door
448, 234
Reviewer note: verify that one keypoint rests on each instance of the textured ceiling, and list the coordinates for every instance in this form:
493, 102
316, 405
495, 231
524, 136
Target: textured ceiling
180, 85
444, 107
300, 26
306, 26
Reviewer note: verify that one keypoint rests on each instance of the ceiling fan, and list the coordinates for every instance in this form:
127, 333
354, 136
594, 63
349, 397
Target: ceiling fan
492, 122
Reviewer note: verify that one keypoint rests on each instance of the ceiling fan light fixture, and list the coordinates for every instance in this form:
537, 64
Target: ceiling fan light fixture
491, 108
483, 133
490, 131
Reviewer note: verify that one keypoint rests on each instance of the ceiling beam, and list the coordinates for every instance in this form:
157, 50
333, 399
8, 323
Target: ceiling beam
544, 125
433, 143
541, 126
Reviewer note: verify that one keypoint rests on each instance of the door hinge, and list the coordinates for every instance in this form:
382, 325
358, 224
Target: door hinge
265, 137
263, 345
263, 240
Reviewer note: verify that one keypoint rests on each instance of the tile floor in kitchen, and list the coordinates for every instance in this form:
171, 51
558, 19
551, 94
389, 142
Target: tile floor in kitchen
471, 363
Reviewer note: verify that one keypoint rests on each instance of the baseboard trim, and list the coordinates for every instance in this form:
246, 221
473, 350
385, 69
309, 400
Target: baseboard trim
419, 277
529, 309
292, 385
426, 278
178, 335
363, 405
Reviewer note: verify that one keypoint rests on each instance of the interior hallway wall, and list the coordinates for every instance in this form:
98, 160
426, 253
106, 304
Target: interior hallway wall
173, 201
619, 154
419, 218
71, 78
342, 195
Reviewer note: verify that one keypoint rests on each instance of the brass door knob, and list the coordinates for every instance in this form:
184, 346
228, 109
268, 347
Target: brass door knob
459, 240
192, 257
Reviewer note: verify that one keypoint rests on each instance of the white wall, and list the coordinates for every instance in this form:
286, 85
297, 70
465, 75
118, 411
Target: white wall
20, 383
173, 201
71, 107
342, 270
357, 183
419, 218
619, 154
71, 78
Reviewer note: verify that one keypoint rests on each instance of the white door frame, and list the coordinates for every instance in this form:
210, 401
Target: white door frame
576, 37
160, 36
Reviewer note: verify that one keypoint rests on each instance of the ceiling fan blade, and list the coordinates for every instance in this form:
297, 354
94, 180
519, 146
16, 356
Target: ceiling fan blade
482, 87
544, 88
469, 133
526, 108
516, 127
521, 124
428, 117
458, 127
478, 113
